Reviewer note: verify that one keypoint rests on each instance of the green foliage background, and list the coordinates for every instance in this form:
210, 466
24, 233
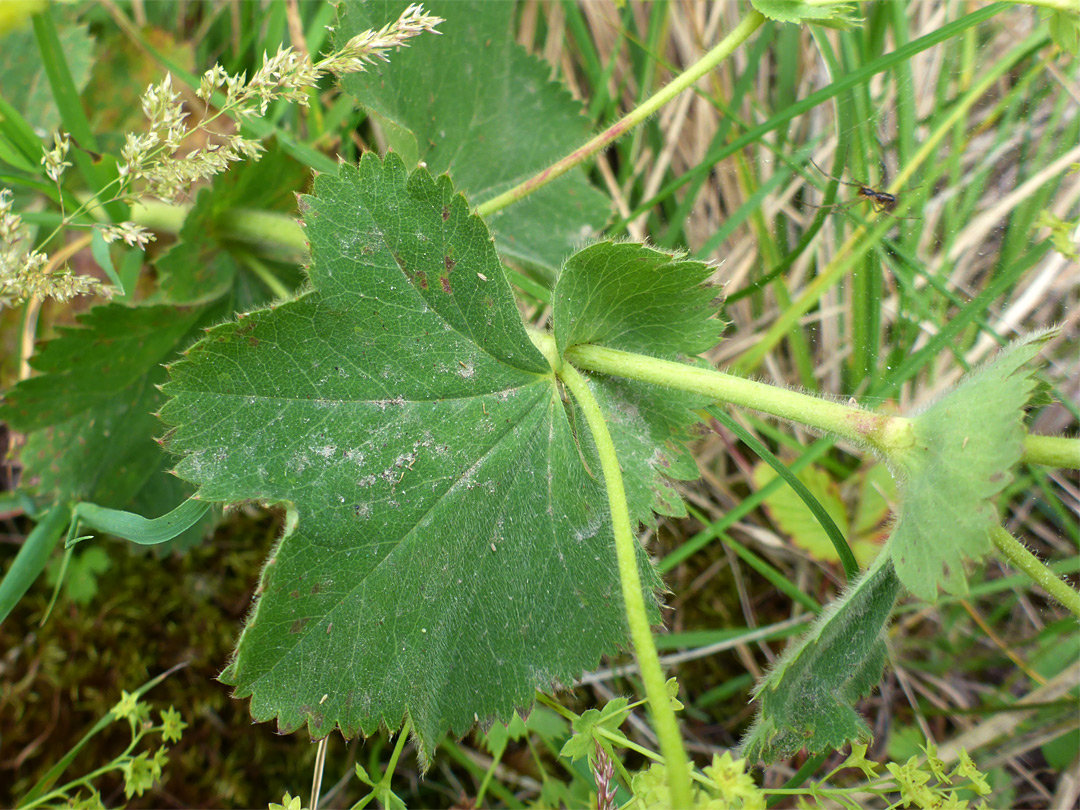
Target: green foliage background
883, 324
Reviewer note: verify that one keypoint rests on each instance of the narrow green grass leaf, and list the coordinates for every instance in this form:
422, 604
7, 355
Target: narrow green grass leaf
136, 528
965, 447
754, 135
13, 157
745, 507
32, 558
793, 517
762, 566
64, 92
23, 81
823, 519
99, 249
21, 135
72, 115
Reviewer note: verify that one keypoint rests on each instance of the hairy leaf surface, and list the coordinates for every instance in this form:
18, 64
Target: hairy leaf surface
966, 445
808, 698
635, 298
472, 102
448, 550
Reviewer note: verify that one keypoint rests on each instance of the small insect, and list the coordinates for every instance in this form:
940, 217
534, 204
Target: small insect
883, 201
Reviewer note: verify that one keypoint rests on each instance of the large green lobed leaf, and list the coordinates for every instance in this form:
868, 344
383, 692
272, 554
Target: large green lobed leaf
473, 103
448, 550
965, 447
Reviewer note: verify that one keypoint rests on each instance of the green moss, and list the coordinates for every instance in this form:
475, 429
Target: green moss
149, 615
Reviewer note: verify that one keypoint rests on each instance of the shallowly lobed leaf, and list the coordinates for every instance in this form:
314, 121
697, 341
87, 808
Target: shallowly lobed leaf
473, 103
807, 699
89, 412
635, 298
447, 551
966, 445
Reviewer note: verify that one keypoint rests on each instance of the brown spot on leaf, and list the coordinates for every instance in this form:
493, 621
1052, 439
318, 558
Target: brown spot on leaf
298, 626
445, 213
449, 263
445, 284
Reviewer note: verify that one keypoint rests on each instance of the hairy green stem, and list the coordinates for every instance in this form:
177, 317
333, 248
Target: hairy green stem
399, 746
687, 79
1053, 451
637, 616
1021, 558
269, 229
880, 432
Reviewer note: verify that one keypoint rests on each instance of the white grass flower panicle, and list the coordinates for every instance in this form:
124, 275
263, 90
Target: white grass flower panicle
367, 46
153, 163
131, 234
25, 273
287, 76
53, 159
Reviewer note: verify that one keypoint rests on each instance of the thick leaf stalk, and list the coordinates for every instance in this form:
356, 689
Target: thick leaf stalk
637, 615
1013, 550
874, 431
